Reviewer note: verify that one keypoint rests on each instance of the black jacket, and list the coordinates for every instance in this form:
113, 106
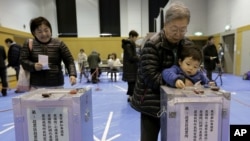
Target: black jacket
2, 57
157, 55
130, 60
209, 51
14, 55
57, 52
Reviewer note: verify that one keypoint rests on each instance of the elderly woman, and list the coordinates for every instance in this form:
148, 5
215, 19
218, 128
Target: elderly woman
159, 52
46, 73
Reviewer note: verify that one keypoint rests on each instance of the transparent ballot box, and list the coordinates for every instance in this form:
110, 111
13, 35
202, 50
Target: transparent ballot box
194, 114
54, 115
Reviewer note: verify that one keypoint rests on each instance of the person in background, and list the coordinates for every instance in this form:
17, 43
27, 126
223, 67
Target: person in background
43, 75
210, 55
94, 60
158, 53
82, 59
13, 55
221, 54
114, 63
3, 71
82, 64
130, 60
187, 71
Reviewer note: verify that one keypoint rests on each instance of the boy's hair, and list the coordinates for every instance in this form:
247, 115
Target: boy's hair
210, 38
133, 33
191, 51
8, 40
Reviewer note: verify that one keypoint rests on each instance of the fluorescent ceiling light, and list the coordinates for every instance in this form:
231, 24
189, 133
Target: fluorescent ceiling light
198, 33
227, 27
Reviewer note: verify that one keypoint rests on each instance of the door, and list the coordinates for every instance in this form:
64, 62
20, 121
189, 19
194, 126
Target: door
228, 65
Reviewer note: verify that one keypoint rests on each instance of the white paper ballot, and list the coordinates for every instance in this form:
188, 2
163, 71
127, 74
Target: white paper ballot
44, 60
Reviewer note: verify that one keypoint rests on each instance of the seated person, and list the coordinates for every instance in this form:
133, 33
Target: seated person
114, 63
187, 72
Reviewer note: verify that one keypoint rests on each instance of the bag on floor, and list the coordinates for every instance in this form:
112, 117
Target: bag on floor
246, 76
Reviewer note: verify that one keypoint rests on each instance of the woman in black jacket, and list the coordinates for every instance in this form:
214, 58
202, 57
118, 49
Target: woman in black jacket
130, 61
211, 58
56, 51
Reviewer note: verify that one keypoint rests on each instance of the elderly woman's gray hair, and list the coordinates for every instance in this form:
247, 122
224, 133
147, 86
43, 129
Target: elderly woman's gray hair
177, 10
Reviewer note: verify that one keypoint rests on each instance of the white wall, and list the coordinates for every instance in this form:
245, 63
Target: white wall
223, 12
87, 18
15, 14
49, 11
134, 16
208, 16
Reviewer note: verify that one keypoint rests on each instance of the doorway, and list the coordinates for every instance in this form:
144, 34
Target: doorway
228, 64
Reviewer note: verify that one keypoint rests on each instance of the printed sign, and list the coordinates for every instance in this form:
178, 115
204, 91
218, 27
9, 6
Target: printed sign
199, 122
48, 124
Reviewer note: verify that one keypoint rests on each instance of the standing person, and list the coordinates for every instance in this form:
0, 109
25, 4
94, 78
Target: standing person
94, 60
221, 54
210, 55
13, 55
46, 72
82, 64
3, 71
130, 60
187, 71
82, 59
159, 52
114, 63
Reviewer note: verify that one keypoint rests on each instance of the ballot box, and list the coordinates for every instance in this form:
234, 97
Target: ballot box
54, 115
194, 114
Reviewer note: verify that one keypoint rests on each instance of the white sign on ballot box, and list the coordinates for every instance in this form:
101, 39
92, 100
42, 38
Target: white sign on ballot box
48, 124
188, 116
54, 115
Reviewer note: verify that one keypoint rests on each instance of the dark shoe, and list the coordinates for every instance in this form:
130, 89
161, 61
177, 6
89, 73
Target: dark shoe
4, 92
17, 91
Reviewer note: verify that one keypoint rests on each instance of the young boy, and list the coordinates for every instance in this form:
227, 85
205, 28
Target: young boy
187, 72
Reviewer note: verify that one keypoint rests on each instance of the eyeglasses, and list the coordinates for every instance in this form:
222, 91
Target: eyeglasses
175, 30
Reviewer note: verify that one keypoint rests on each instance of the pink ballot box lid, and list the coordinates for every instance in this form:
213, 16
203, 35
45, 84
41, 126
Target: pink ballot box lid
197, 114
54, 114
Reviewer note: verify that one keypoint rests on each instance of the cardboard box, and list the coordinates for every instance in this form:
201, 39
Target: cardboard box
188, 116
54, 115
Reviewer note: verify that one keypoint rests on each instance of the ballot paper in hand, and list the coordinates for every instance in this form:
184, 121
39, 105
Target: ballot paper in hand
44, 60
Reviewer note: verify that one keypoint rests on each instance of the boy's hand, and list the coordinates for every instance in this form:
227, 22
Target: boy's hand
179, 84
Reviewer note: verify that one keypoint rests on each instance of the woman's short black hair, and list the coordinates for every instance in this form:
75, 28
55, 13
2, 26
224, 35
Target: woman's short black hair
38, 21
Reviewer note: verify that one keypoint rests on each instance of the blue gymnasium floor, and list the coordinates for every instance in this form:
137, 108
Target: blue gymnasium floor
115, 120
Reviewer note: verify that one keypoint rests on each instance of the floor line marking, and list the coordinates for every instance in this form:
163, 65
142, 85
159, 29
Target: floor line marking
105, 133
121, 88
8, 124
107, 127
5, 130
114, 137
96, 139
241, 102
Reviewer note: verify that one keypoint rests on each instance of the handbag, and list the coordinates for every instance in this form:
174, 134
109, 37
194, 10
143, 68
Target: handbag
23, 84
